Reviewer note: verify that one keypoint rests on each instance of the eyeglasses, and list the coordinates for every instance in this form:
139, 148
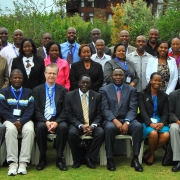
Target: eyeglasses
50, 73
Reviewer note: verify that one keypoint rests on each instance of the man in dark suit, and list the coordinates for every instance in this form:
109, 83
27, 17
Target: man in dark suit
41, 51
119, 109
95, 35
83, 109
50, 116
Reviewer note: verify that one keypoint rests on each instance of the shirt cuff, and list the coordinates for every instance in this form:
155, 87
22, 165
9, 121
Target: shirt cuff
127, 120
95, 125
80, 126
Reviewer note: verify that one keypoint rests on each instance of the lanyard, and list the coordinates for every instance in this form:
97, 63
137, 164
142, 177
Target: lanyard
154, 98
15, 51
17, 98
52, 94
123, 65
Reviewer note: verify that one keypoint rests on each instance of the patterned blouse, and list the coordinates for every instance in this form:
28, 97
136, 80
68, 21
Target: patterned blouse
165, 73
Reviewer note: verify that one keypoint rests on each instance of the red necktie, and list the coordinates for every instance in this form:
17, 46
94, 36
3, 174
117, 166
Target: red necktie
118, 95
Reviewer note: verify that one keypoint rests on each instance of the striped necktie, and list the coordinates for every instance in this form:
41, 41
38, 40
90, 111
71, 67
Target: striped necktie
85, 109
47, 114
69, 56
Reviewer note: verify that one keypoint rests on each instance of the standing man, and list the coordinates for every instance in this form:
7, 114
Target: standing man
140, 59
95, 35
41, 51
12, 51
100, 57
83, 109
50, 116
124, 39
4, 37
152, 43
16, 110
69, 49
119, 109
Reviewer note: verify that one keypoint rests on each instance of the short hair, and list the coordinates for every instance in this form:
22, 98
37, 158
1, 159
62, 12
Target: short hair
3, 28
16, 71
100, 40
142, 36
21, 52
71, 28
118, 68
49, 44
96, 29
52, 65
115, 47
84, 45
18, 30
85, 75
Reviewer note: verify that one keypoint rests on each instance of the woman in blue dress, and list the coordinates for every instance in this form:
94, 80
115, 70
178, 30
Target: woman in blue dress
153, 106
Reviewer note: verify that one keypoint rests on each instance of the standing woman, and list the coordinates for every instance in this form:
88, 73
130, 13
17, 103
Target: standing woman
54, 56
164, 65
119, 61
31, 65
175, 53
86, 66
153, 106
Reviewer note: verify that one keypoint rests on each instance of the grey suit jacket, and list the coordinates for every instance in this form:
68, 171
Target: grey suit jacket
4, 75
127, 109
174, 106
40, 52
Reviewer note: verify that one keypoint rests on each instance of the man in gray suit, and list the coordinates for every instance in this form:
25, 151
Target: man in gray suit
119, 109
2, 132
174, 118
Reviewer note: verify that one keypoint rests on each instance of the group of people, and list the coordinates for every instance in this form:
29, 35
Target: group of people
72, 90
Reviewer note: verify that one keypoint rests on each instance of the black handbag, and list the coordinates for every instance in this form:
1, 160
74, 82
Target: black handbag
168, 156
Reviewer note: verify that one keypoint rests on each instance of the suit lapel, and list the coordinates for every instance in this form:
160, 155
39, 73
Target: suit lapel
91, 102
123, 94
43, 96
57, 94
21, 66
78, 101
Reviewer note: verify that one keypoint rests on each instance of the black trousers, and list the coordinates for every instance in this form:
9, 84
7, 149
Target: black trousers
73, 138
110, 130
61, 137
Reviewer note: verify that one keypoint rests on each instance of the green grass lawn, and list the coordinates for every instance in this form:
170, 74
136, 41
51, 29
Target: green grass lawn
123, 171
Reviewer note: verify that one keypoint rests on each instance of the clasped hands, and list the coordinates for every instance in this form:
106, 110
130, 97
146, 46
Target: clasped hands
18, 125
51, 126
87, 130
123, 128
157, 126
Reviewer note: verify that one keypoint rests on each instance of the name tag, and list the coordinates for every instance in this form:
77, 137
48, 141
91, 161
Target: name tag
50, 110
16, 112
128, 79
154, 120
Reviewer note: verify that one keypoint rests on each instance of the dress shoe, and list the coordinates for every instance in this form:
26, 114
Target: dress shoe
90, 163
41, 165
176, 168
148, 163
61, 165
110, 164
137, 166
76, 164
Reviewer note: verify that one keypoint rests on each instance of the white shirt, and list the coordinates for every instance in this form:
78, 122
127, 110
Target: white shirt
28, 70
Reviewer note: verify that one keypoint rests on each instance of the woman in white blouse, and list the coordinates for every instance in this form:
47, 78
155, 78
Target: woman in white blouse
164, 65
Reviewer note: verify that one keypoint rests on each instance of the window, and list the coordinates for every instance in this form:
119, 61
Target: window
90, 3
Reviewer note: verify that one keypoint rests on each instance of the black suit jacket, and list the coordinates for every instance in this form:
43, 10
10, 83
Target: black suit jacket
106, 49
36, 76
146, 106
74, 110
39, 94
95, 71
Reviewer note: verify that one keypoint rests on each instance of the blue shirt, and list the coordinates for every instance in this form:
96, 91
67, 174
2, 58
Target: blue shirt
65, 48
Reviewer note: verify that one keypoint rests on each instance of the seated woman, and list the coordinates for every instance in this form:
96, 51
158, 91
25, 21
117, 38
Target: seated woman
153, 105
54, 56
86, 66
119, 61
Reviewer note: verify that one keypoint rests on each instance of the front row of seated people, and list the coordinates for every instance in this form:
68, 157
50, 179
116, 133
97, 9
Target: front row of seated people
101, 115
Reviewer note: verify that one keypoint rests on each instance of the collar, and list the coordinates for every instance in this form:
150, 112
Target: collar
116, 87
50, 86
104, 56
136, 54
16, 90
81, 93
71, 44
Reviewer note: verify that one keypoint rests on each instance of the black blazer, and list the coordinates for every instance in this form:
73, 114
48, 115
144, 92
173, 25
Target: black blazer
74, 110
106, 49
39, 94
95, 71
36, 76
146, 106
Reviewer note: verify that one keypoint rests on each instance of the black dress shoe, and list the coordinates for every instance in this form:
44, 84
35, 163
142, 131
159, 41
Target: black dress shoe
61, 165
90, 163
76, 164
137, 166
176, 168
110, 164
41, 165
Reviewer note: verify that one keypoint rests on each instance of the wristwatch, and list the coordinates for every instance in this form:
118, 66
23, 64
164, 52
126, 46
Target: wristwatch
127, 122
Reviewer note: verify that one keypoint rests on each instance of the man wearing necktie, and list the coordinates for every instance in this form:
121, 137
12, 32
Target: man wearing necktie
83, 110
50, 116
16, 110
119, 109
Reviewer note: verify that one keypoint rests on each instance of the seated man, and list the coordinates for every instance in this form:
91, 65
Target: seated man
50, 116
174, 118
83, 109
119, 108
2, 132
16, 110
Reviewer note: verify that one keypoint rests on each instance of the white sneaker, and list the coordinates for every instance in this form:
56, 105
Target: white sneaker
22, 168
12, 169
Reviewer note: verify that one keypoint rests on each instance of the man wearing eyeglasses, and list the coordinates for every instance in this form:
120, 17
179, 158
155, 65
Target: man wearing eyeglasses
50, 116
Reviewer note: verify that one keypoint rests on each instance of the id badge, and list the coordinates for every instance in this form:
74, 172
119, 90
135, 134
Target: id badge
128, 79
50, 110
17, 112
154, 120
